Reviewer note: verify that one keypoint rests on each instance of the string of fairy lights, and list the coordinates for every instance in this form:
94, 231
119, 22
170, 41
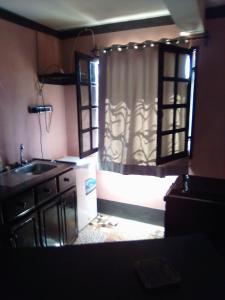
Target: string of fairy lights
180, 41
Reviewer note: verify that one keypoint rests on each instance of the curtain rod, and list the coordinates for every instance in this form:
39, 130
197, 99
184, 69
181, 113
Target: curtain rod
174, 41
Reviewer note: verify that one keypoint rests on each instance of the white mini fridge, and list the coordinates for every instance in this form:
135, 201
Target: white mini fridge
86, 188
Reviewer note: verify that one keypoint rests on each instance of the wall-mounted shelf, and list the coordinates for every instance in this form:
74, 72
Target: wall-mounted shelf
58, 78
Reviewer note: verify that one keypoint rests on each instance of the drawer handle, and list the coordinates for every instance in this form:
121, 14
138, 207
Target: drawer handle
66, 179
46, 190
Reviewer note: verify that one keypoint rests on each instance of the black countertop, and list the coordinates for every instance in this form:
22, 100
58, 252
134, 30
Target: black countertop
30, 181
106, 271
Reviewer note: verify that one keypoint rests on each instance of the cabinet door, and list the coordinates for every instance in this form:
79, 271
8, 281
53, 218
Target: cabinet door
46, 190
25, 233
18, 205
69, 213
51, 224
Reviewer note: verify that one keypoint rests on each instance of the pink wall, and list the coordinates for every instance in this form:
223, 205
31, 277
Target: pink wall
18, 76
209, 132
72, 121
147, 191
49, 53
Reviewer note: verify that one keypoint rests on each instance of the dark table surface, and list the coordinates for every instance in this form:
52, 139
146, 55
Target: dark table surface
106, 271
199, 188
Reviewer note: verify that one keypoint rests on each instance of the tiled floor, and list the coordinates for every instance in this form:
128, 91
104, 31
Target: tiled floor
105, 228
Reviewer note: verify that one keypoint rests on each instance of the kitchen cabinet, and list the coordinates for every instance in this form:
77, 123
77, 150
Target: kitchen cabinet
18, 205
43, 215
69, 216
46, 190
58, 220
50, 224
25, 233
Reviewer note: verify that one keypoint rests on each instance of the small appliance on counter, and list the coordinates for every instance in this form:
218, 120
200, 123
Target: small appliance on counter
86, 188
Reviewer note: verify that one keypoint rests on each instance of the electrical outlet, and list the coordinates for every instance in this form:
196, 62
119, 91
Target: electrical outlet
40, 108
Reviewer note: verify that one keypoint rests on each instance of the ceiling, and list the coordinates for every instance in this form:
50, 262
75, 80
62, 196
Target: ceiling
69, 14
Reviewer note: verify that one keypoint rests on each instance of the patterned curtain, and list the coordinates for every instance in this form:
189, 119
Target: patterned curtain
128, 109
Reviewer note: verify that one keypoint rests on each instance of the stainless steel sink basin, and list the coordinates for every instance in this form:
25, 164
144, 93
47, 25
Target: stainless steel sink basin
27, 172
35, 168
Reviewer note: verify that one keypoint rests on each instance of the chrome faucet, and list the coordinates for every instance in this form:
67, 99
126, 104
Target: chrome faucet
22, 160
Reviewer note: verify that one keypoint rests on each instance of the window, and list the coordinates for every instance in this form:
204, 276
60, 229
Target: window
175, 86
192, 99
87, 103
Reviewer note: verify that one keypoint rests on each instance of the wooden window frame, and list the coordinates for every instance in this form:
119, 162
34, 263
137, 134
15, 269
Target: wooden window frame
194, 69
80, 108
161, 79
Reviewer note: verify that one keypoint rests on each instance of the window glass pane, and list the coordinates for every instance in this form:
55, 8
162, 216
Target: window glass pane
184, 66
194, 58
167, 121
85, 119
84, 95
94, 114
93, 71
191, 104
180, 118
182, 92
95, 138
169, 64
166, 146
94, 95
168, 92
86, 141
179, 142
189, 145
84, 76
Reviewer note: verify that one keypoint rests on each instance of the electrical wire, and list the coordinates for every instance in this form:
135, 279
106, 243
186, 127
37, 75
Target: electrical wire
41, 135
47, 124
76, 39
40, 87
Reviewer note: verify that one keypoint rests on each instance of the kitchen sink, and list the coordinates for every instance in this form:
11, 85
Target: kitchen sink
35, 168
30, 171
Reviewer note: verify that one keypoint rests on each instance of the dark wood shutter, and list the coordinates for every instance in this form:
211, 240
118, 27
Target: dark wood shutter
87, 103
174, 84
